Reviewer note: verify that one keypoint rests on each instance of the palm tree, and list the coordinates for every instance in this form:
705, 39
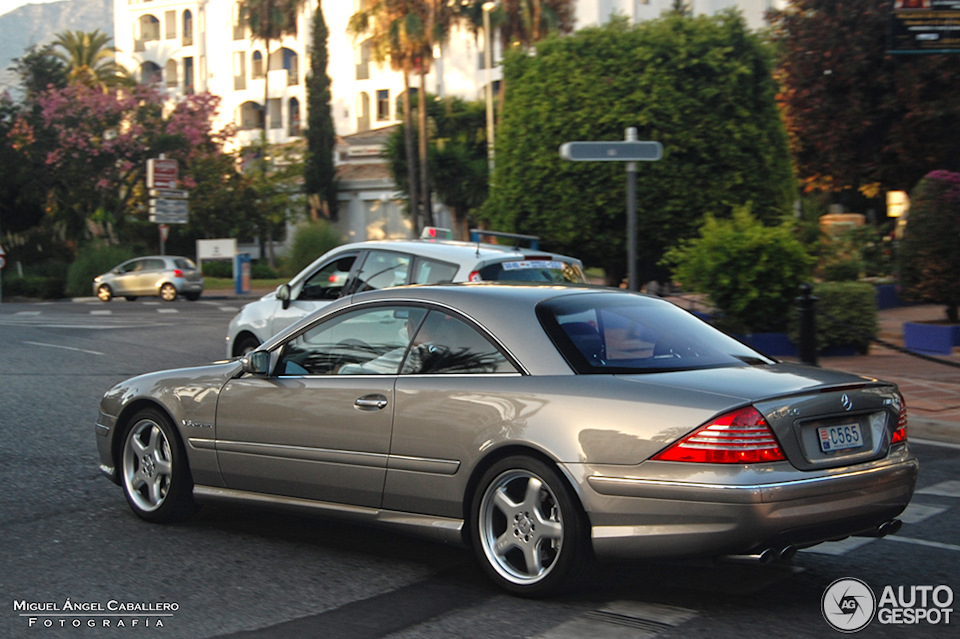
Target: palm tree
405, 32
270, 20
89, 60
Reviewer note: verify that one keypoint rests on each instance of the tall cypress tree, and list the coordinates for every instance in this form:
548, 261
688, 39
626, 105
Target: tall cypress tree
319, 177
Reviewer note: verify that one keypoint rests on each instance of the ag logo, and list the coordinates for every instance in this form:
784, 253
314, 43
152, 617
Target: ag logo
848, 605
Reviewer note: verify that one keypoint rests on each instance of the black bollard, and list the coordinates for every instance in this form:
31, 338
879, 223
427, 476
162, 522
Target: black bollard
806, 305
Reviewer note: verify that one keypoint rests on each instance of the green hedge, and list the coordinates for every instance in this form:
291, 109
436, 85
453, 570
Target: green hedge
93, 260
846, 315
34, 286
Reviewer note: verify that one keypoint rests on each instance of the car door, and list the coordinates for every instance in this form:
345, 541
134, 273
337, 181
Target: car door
147, 278
319, 426
326, 284
125, 278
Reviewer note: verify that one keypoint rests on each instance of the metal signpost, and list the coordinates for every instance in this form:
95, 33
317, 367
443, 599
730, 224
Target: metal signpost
3, 262
168, 204
630, 151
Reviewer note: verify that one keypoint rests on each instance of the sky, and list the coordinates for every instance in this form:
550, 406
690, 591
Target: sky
6, 6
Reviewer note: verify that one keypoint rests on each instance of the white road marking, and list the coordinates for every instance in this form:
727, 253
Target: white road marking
27, 313
167, 310
101, 312
916, 513
66, 348
931, 442
922, 542
944, 489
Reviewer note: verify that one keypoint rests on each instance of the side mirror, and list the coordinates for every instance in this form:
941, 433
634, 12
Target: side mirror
283, 294
256, 362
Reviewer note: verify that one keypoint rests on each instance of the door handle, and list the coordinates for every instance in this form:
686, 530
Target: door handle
371, 402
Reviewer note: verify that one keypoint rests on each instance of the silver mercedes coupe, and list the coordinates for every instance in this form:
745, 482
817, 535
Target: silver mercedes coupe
542, 425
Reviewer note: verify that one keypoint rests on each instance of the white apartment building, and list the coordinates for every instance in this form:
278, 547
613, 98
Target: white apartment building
201, 45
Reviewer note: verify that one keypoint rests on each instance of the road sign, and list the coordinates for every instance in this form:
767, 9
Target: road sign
162, 174
169, 211
170, 194
615, 151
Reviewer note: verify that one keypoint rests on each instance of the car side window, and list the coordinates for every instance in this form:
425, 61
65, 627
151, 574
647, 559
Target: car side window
370, 341
383, 269
447, 345
153, 265
328, 282
131, 267
432, 272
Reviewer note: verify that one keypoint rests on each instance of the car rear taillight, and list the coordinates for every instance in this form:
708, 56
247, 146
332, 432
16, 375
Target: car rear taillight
177, 272
742, 436
900, 432
475, 277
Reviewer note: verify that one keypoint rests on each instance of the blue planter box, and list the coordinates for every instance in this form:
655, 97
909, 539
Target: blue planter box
776, 344
938, 339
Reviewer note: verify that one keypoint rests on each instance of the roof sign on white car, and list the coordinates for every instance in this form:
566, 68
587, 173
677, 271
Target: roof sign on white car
514, 266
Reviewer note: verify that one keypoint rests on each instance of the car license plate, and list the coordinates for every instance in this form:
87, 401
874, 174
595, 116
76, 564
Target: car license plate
833, 438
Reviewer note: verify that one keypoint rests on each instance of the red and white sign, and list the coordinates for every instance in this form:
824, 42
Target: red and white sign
3, 254
162, 174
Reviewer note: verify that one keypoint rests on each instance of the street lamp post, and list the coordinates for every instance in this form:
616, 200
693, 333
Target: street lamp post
488, 64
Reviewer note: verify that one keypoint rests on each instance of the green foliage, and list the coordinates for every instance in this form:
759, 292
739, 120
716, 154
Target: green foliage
846, 315
312, 240
92, 260
750, 272
218, 268
859, 117
701, 86
260, 270
319, 173
930, 249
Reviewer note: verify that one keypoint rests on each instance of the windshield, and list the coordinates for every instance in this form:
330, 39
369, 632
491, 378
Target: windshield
535, 270
612, 332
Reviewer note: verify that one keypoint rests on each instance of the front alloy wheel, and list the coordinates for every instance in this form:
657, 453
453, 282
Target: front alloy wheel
156, 481
168, 292
104, 293
528, 532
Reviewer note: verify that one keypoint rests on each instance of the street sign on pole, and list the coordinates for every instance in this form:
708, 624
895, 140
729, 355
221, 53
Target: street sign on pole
164, 211
616, 151
162, 174
631, 151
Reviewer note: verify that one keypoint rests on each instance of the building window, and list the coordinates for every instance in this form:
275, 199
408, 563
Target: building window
150, 73
188, 76
294, 117
146, 29
275, 112
363, 112
383, 105
170, 74
187, 28
364, 55
170, 25
239, 71
256, 63
239, 28
249, 116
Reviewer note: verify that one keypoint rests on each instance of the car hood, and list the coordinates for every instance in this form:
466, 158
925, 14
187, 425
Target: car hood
752, 383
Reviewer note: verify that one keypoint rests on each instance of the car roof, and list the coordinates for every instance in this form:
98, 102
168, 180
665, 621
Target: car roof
451, 250
507, 310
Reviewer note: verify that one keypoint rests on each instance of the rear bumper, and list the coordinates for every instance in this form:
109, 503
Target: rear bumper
656, 518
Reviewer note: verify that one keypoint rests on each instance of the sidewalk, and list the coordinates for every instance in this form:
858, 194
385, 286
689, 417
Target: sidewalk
932, 390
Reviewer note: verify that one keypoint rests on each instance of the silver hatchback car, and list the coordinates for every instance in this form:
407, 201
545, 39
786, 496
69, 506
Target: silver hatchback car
166, 276
541, 425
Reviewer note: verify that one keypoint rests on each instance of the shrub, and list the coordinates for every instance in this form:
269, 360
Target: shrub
846, 315
930, 249
37, 286
261, 271
750, 272
218, 268
92, 260
312, 240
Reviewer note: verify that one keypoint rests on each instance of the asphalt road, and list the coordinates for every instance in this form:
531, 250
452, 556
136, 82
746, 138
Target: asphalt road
73, 557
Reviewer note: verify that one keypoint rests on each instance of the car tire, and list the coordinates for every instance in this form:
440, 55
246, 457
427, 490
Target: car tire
130, 298
168, 292
246, 344
154, 471
104, 293
528, 531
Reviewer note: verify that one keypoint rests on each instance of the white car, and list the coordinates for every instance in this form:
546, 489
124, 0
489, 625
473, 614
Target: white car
364, 266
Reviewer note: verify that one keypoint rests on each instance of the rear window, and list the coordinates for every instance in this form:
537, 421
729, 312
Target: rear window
533, 270
621, 333
185, 263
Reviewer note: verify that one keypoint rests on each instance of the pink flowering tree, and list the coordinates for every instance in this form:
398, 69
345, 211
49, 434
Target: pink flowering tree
92, 147
930, 249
